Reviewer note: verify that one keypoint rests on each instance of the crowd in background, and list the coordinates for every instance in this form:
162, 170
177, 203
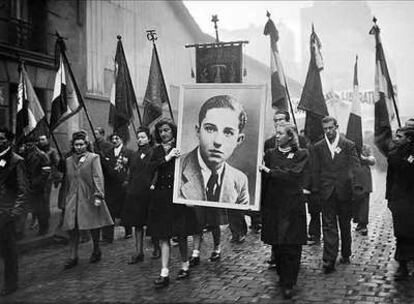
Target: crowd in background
104, 183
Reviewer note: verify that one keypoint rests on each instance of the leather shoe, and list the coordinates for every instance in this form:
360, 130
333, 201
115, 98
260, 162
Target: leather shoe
287, 293
95, 257
162, 282
328, 267
215, 256
271, 264
183, 274
194, 261
401, 274
156, 254
136, 259
7, 290
343, 260
70, 263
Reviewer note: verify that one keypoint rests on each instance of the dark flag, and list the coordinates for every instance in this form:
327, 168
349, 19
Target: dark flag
312, 100
156, 94
354, 129
278, 85
29, 111
65, 102
385, 106
122, 95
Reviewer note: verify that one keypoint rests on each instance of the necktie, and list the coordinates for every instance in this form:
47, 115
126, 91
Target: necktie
212, 187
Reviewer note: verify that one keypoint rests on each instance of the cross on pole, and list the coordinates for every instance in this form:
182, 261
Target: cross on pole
215, 19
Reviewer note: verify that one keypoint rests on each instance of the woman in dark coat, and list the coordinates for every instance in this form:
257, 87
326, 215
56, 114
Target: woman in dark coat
400, 195
283, 207
166, 219
135, 207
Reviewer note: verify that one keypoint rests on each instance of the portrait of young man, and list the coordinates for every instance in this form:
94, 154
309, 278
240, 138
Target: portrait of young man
205, 176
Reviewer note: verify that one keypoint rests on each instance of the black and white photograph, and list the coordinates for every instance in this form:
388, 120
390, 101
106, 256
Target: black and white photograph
218, 124
204, 151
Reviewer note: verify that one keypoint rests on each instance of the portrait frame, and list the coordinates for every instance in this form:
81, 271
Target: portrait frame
245, 158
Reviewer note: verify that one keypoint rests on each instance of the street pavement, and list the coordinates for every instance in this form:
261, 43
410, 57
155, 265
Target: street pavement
241, 276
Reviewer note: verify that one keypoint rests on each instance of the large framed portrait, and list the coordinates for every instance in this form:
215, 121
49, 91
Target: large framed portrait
220, 137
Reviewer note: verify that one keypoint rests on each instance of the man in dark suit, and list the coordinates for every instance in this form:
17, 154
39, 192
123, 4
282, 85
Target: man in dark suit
115, 168
100, 145
12, 206
334, 161
38, 169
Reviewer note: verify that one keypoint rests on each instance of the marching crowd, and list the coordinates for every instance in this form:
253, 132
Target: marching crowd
104, 183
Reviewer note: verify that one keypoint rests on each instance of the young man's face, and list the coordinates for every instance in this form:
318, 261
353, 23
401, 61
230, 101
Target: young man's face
329, 129
43, 140
116, 141
279, 119
219, 136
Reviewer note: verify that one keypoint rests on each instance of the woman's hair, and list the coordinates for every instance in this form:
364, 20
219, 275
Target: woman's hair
292, 132
147, 132
165, 121
79, 135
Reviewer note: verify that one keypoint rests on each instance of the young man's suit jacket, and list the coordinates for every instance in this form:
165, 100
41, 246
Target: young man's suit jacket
234, 184
335, 174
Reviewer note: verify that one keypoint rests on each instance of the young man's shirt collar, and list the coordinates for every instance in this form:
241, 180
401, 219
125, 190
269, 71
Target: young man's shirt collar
332, 147
206, 172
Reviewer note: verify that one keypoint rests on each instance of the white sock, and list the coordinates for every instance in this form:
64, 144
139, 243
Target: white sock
185, 265
164, 272
196, 253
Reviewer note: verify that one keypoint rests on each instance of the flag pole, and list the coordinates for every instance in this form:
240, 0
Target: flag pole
62, 51
290, 102
376, 30
119, 37
151, 36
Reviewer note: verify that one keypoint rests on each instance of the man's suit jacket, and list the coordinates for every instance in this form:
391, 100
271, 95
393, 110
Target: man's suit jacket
234, 185
335, 174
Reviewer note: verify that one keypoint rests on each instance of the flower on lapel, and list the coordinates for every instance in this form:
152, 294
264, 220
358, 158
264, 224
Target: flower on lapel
410, 159
338, 150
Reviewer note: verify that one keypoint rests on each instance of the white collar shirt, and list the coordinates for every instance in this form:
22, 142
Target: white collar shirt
332, 146
118, 150
206, 172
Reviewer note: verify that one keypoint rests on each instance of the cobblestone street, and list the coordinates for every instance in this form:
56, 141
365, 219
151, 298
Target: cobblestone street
241, 275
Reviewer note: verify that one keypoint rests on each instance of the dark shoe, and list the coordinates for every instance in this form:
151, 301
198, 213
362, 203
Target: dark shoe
128, 236
215, 256
272, 264
43, 232
256, 228
156, 254
95, 257
313, 240
70, 263
7, 290
136, 259
401, 274
343, 260
238, 239
183, 274
358, 227
194, 261
363, 231
162, 282
328, 267
287, 293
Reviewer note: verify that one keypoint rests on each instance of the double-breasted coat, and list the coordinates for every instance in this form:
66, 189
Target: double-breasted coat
283, 204
165, 218
141, 170
85, 183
